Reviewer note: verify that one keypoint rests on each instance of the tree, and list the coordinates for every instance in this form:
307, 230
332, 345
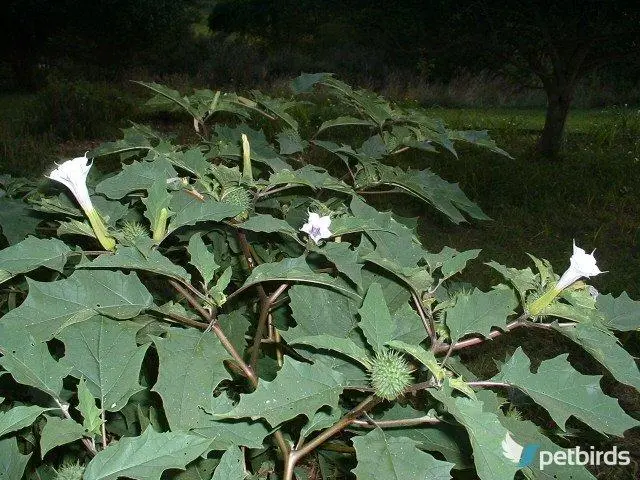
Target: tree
556, 43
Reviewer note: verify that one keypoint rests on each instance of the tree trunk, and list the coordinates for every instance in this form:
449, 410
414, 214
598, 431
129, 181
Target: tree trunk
558, 103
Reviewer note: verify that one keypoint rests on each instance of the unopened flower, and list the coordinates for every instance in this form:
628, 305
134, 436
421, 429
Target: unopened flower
73, 174
582, 265
317, 227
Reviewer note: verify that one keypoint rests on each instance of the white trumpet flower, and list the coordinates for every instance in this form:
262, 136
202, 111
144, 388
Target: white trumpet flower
317, 227
581, 265
73, 174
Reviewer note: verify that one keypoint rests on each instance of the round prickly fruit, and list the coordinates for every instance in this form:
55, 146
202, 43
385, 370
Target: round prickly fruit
390, 374
133, 230
70, 471
238, 196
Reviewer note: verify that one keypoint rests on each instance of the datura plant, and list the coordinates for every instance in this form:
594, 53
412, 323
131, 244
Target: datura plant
238, 307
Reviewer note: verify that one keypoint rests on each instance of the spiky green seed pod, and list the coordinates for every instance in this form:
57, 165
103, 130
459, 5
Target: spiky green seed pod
238, 196
133, 230
390, 374
70, 471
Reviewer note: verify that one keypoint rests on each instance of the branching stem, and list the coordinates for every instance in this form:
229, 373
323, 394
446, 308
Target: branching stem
295, 455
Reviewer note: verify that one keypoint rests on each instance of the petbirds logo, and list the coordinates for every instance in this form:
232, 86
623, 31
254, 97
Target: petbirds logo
525, 456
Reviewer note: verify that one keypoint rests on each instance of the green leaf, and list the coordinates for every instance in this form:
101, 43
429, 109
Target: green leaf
564, 392
132, 258
59, 431
235, 325
605, 348
291, 142
486, 434
342, 121
395, 458
147, 456
91, 420
17, 220
229, 432
171, 95
105, 353
51, 306
323, 418
189, 210
448, 439
191, 160
277, 106
231, 466
200, 469
450, 261
426, 357
157, 199
620, 313
394, 242
344, 258
30, 254
523, 280
344, 346
409, 326
320, 311
310, 176
228, 141
304, 82
478, 312
18, 418
268, 224
191, 367
477, 137
30, 363
202, 258
298, 389
529, 433
375, 319
444, 196
137, 176
292, 270
12, 462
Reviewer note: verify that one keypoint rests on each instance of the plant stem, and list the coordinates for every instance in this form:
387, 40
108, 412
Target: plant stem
443, 348
265, 307
104, 429
427, 322
402, 422
247, 371
89, 445
487, 383
295, 455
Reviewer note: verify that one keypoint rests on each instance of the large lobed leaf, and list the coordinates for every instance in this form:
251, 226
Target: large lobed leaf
191, 367
147, 456
381, 457
51, 306
30, 254
565, 392
298, 389
105, 353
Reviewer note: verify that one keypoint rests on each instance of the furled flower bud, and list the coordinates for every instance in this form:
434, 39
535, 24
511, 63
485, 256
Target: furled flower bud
73, 174
317, 227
